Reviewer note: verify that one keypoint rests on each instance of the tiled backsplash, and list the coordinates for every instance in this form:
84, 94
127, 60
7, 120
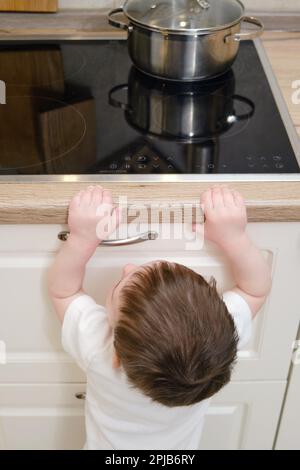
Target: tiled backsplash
255, 5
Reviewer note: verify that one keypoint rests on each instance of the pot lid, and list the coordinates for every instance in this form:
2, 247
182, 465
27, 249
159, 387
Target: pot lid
184, 15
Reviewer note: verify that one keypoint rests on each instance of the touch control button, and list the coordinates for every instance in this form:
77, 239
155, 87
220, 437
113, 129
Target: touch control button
142, 158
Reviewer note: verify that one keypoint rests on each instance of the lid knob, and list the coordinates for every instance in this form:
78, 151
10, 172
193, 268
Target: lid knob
203, 4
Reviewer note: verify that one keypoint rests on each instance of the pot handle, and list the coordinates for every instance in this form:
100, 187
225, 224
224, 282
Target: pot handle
116, 103
251, 34
251, 105
116, 23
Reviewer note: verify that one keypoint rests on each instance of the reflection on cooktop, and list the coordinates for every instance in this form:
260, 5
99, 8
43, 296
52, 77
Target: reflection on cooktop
82, 108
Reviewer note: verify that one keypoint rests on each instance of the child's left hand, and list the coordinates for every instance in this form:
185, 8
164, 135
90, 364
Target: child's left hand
226, 216
92, 216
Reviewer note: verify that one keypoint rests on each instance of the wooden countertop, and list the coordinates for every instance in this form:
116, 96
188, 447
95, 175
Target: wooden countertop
283, 50
48, 203
267, 201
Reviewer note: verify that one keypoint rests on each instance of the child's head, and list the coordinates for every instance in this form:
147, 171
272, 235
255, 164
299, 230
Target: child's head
174, 336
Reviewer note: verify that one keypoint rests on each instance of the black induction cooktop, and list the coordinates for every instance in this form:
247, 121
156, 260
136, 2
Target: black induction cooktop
82, 108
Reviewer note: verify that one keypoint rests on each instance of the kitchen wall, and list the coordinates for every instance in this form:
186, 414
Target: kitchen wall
254, 5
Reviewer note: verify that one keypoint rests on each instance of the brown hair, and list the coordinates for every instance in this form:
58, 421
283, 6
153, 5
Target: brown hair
175, 337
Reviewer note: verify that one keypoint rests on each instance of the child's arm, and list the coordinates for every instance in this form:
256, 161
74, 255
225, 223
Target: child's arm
92, 218
225, 225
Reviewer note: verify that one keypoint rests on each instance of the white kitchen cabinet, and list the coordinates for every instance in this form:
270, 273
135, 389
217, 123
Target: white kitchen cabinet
31, 332
44, 416
40, 417
289, 430
243, 416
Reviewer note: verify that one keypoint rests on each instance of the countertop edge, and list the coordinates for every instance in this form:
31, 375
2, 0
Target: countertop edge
44, 204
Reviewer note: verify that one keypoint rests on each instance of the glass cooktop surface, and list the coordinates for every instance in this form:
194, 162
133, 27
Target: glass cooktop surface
76, 107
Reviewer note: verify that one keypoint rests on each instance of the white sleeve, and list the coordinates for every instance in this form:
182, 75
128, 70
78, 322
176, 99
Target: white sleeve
241, 313
85, 330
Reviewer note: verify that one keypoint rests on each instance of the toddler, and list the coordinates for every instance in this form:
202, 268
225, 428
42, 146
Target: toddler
166, 341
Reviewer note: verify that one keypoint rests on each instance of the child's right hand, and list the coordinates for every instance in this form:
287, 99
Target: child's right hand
225, 216
92, 216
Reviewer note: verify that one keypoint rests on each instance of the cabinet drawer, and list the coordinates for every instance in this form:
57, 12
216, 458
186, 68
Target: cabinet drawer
289, 434
41, 417
31, 332
242, 416
49, 416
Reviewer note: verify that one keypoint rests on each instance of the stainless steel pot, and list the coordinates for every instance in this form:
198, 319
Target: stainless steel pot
184, 39
186, 111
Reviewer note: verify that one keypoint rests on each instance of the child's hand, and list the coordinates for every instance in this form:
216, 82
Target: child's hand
226, 216
92, 216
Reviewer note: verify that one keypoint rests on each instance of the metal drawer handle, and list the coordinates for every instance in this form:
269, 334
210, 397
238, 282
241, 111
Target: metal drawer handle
251, 35
80, 395
63, 236
118, 24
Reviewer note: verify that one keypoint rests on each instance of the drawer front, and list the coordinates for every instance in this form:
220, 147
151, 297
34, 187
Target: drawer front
289, 433
31, 333
242, 416
49, 416
41, 417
